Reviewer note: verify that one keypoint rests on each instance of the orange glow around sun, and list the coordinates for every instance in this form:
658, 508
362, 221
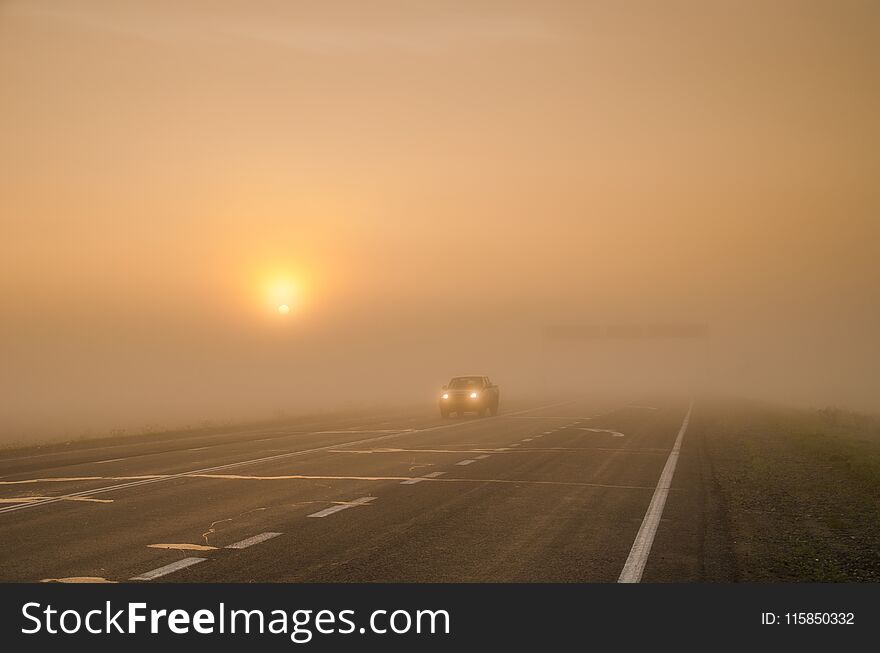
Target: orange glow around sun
282, 294
280, 290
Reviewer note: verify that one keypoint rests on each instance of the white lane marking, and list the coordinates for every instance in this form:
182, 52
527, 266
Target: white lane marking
169, 569
471, 451
343, 506
413, 481
527, 439
17, 500
466, 462
256, 539
510, 416
362, 431
641, 548
112, 460
78, 579
515, 444
255, 461
642, 407
483, 457
616, 434
198, 449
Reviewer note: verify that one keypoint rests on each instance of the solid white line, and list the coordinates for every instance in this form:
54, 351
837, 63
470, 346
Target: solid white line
362, 431
465, 462
343, 506
112, 460
641, 548
256, 539
168, 569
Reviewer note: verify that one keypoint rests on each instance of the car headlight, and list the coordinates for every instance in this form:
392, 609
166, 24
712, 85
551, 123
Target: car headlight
445, 395
473, 395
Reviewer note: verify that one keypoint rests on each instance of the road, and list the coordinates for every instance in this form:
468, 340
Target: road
550, 491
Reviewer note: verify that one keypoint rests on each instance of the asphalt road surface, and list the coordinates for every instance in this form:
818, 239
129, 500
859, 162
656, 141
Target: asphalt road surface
552, 491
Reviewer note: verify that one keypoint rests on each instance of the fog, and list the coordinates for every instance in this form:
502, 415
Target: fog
571, 197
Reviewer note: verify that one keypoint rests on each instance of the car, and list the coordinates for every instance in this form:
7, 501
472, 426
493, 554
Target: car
469, 394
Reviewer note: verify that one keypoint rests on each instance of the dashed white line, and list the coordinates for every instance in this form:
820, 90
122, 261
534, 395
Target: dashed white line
111, 460
342, 506
641, 548
527, 439
483, 457
169, 569
256, 539
466, 462
413, 481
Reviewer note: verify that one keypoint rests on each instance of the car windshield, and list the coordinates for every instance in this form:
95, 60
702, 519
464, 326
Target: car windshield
461, 382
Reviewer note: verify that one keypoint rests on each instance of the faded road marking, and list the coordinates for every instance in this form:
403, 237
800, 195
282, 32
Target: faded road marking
256, 539
183, 547
387, 450
641, 548
78, 579
413, 481
72, 479
300, 477
394, 431
38, 499
616, 434
434, 479
508, 450
168, 569
483, 457
466, 462
363, 501
549, 417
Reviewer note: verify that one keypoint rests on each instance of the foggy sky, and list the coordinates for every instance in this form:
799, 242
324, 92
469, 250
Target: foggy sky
439, 182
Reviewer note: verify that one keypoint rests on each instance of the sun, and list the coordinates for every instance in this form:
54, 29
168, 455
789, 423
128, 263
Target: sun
280, 290
281, 293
